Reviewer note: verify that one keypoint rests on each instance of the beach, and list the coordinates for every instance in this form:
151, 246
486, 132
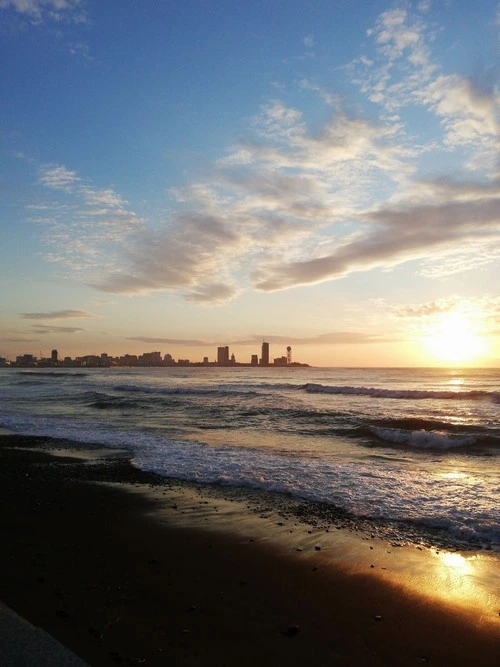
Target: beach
124, 567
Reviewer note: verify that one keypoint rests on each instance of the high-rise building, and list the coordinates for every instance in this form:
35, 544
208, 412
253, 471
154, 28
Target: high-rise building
53, 357
265, 354
223, 356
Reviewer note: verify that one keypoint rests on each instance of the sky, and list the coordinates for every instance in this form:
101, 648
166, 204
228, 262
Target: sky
175, 176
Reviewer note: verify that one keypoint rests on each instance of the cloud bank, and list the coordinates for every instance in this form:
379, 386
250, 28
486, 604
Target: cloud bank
293, 204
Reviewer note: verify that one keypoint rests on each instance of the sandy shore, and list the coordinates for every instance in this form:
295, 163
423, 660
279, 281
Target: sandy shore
123, 568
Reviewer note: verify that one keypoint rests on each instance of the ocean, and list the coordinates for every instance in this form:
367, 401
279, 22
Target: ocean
412, 451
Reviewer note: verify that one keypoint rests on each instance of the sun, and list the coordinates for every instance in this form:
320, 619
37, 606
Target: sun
455, 338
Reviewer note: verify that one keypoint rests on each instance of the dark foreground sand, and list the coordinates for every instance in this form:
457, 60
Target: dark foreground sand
94, 566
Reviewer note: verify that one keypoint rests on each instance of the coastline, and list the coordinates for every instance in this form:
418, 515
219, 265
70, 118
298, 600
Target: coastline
124, 567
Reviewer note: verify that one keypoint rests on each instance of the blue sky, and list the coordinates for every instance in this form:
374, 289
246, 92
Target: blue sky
180, 175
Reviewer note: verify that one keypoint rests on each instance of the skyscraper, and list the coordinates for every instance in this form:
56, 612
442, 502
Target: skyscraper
265, 354
223, 356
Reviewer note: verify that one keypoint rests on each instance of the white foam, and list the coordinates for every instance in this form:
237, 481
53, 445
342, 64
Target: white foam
423, 439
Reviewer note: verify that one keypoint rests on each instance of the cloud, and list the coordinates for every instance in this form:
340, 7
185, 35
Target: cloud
296, 203
46, 329
308, 41
468, 113
327, 97
185, 257
107, 198
216, 293
170, 341
38, 11
427, 309
400, 234
17, 339
403, 73
58, 177
481, 312
333, 338
58, 315
102, 302
85, 227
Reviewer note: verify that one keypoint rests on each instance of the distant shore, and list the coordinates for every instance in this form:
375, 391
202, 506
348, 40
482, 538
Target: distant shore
126, 568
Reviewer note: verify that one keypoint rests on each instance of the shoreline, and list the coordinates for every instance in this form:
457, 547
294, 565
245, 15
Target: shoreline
124, 567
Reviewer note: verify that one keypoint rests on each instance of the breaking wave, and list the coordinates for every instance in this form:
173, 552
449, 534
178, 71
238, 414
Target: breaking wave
423, 439
401, 393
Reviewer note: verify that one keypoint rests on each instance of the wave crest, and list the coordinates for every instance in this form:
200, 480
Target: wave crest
401, 393
423, 439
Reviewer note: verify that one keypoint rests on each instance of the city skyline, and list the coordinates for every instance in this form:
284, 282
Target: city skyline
155, 358
190, 175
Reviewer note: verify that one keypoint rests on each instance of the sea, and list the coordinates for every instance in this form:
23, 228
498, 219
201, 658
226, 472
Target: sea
412, 450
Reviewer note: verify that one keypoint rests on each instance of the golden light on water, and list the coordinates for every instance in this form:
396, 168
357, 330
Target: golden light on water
457, 563
453, 475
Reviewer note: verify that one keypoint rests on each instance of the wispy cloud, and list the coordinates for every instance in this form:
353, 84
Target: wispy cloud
332, 338
17, 339
427, 309
187, 342
47, 329
58, 177
58, 315
84, 227
39, 11
308, 41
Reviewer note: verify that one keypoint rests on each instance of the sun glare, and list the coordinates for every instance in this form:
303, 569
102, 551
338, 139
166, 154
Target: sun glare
455, 339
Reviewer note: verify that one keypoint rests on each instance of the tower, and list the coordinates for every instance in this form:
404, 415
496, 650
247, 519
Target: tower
265, 354
288, 355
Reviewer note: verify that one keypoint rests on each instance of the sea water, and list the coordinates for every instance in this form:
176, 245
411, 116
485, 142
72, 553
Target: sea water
418, 449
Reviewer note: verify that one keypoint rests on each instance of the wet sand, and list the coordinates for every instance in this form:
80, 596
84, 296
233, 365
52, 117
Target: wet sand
124, 568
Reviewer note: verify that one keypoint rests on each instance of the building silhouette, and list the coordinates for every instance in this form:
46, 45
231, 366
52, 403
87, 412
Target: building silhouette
223, 356
150, 359
264, 361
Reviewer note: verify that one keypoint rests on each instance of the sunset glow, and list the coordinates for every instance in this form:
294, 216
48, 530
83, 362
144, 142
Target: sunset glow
321, 175
455, 339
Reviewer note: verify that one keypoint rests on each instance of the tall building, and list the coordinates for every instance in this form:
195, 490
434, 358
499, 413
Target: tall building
53, 357
223, 356
265, 354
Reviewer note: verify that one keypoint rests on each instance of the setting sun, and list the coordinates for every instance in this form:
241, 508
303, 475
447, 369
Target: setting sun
455, 338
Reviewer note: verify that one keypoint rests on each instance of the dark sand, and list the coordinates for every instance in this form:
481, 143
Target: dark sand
111, 577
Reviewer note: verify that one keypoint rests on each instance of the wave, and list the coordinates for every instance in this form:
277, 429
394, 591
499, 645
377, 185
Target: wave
184, 391
418, 394
53, 374
423, 439
372, 490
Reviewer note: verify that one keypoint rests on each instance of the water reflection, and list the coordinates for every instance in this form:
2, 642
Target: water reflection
470, 581
456, 563
452, 475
